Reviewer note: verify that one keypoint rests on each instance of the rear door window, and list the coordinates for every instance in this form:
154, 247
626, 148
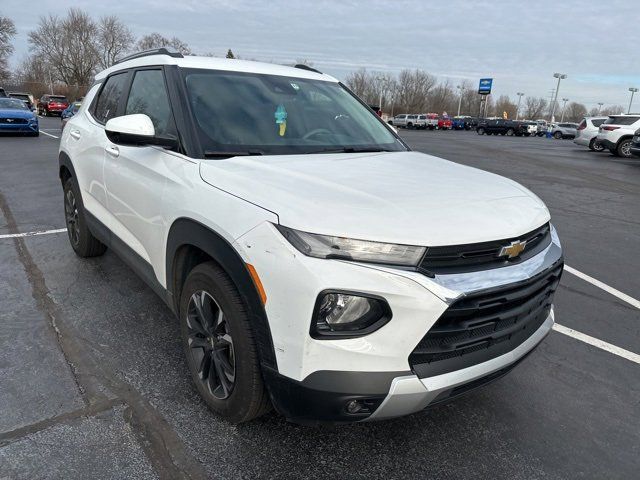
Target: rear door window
109, 97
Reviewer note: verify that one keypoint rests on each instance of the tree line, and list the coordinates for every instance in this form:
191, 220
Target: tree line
416, 91
66, 52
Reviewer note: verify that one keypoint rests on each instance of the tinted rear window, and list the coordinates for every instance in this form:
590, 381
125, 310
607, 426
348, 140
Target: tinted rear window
58, 98
597, 122
622, 120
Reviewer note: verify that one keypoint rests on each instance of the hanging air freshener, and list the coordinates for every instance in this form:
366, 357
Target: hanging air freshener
281, 119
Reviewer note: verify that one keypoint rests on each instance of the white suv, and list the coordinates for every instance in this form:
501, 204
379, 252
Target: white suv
314, 262
616, 134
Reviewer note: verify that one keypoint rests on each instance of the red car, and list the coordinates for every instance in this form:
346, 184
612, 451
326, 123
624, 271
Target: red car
52, 105
445, 123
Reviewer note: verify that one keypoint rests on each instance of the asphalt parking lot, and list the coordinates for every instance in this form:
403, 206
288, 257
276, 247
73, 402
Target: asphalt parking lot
93, 382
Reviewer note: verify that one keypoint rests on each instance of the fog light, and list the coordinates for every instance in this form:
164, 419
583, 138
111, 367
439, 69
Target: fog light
348, 315
353, 407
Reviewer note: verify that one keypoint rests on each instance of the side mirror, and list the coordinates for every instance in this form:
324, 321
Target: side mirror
136, 130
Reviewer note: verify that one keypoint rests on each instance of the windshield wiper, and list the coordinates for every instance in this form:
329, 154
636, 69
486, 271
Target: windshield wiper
352, 150
223, 154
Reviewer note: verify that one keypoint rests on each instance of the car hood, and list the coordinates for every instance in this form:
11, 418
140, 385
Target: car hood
401, 197
12, 113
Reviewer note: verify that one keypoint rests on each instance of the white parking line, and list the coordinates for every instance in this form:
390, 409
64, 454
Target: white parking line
621, 352
32, 234
48, 134
612, 291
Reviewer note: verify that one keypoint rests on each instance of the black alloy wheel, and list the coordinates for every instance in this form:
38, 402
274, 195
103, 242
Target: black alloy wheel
71, 217
211, 345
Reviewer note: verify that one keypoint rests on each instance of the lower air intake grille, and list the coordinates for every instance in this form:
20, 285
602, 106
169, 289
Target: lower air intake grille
485, 325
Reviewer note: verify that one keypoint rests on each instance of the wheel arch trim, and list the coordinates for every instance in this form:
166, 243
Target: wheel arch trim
186, 232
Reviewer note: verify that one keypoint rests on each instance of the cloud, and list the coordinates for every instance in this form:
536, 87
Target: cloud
520, 44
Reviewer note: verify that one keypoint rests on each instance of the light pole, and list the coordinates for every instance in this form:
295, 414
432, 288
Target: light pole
632, 90
559, 76
520, 94
564, 104
600, 107
459, 99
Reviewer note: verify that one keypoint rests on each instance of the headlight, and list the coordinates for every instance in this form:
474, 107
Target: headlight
346, 314
325, 246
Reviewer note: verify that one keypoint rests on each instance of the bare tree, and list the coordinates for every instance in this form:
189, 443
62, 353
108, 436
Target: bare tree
155, 40
413, 90
68, 45
534, 107
361, 83
442, 98
613, 110
504, 105
574, 112
7, 32
113, 40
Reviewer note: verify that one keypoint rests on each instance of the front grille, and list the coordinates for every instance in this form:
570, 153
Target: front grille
481, 256
13, 121
485, 325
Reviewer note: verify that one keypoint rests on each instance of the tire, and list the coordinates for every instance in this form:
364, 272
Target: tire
557, 135
624, 148
510, 132
409, 126
82, 240
232, 384
480, 131
595, 146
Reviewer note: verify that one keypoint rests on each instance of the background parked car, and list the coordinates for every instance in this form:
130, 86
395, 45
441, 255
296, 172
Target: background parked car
3, 94
411, 121
460, 123
399, 121
587, 133
52, 104
445, 123
432, 121
16, 117
26, 97
69, 112
616, 133
501, 127
564, 130
530, 128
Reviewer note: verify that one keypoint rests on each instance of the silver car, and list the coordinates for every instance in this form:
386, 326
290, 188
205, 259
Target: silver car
564, 130
587, 133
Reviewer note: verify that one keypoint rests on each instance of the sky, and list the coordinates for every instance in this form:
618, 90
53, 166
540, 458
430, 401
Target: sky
518, 43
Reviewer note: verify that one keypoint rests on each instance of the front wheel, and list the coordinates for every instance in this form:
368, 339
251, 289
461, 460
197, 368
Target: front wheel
510, 132
82, 240
557, 135
220, 347
481, 131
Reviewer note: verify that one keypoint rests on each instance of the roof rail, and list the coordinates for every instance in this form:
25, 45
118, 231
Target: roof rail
153, 51
302, 66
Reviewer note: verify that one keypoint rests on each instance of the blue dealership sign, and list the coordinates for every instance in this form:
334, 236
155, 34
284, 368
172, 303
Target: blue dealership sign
485, 86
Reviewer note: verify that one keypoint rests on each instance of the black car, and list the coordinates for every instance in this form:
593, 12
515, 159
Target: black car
635, 144
501, 127
3, 94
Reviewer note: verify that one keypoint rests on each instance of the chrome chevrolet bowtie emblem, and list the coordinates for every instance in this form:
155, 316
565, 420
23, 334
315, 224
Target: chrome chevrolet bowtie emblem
9, 120
513, 250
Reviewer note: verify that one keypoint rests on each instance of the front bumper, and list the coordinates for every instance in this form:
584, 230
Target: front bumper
315, 379
19, 128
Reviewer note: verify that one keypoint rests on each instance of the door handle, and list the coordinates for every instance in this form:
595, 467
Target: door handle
113, 150
75, 134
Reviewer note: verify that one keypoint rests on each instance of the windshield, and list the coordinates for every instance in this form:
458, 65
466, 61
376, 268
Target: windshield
13, 104
269, 114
